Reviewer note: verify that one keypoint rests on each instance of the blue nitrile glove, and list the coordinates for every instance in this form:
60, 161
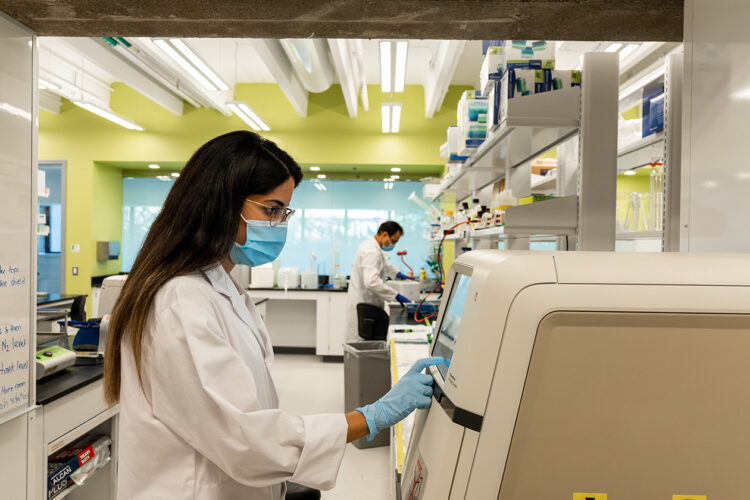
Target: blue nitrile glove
402, 276
402, 299
413, 391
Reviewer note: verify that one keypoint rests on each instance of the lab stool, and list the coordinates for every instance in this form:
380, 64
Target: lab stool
296, 491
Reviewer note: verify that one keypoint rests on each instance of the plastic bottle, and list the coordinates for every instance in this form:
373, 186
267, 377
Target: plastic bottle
337, 281
422, 274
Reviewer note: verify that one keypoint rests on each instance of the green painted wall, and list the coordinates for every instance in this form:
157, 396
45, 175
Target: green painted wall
97, 151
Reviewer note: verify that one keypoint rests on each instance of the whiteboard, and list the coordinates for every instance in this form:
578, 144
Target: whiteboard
17, 200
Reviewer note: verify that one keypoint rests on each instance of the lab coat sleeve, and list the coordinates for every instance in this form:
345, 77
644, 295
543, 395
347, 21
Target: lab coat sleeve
372, 279
206, 394
391, 270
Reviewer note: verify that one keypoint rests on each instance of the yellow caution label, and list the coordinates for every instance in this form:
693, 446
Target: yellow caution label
589, 496
689, 497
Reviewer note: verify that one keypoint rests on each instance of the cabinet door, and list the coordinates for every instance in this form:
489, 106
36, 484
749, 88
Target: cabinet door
337, 324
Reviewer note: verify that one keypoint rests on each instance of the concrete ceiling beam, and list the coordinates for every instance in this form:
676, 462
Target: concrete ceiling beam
635, 20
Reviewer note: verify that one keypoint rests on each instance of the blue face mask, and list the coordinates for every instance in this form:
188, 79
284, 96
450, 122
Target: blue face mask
263, 244
390, 247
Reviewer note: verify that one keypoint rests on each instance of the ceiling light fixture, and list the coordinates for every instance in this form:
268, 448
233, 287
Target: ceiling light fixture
198, 63
175, 174
396, 169
247, 115
154, 166
613, 47
630, 172
109, 115
197, 69
629, 49
321, 176
391, 117
385, 112
315, 169
395, 177
400, 73
385, 67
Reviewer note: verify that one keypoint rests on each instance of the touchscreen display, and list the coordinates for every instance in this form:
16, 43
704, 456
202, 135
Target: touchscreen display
445, 341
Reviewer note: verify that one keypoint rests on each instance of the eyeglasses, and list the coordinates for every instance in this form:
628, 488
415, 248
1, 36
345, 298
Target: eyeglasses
276, 215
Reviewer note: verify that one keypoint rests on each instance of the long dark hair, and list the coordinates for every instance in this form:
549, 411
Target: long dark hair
195, 228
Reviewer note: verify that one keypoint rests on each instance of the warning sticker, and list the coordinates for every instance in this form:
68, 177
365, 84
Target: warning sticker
689, 497
589, 496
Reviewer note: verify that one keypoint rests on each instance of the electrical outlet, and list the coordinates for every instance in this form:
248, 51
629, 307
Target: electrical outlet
75, 270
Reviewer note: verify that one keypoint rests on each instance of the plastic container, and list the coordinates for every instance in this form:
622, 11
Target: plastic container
367, 377
87, 338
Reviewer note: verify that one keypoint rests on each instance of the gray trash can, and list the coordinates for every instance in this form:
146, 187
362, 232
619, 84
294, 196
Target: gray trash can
367, 377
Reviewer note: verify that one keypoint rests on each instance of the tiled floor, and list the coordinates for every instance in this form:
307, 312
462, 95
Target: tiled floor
307, 385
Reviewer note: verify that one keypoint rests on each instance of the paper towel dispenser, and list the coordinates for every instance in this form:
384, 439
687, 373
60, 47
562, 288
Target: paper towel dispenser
107, 250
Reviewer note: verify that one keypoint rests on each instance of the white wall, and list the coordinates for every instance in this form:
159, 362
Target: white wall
715, 206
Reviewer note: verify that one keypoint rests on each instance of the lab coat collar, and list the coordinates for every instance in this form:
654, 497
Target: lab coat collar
227, 286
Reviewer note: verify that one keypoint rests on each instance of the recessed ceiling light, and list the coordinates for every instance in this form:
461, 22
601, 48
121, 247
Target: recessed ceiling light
315, 169
630, 172
396, 169
154, 166
175, 174
321, 176
395, 177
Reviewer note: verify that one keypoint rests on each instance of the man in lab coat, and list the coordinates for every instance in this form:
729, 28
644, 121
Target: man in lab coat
369, 269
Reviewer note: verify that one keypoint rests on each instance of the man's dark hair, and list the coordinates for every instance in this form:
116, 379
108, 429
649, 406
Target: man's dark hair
391, 227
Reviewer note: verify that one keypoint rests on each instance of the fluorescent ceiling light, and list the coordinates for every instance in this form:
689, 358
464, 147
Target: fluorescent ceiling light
254, 116
109, 115
175, 174
396, 169
315, 169
629, 49
385, 67
613, 47
321, 176
630, 172
246, 114
198, 63
390, 117
641, 82
154, 166
395, 177
385, 110
185, 64
400, 73
396, 119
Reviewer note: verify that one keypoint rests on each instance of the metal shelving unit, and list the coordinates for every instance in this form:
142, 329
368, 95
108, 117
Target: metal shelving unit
664, 145
641, 153
534, 124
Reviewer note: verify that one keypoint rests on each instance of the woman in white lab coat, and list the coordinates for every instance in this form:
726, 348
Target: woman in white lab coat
188, 355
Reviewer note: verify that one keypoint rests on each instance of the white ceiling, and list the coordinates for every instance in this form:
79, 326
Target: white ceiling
76, 62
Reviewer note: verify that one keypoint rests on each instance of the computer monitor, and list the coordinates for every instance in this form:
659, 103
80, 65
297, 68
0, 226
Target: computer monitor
445, 341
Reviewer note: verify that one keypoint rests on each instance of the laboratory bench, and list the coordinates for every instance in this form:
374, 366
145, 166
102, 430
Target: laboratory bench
304, 319
70, 405
52, 300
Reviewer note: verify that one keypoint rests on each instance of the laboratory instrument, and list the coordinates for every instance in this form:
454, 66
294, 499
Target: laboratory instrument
572, 373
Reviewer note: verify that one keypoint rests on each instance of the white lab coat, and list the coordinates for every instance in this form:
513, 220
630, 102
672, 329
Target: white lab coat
367, 283
208, 426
